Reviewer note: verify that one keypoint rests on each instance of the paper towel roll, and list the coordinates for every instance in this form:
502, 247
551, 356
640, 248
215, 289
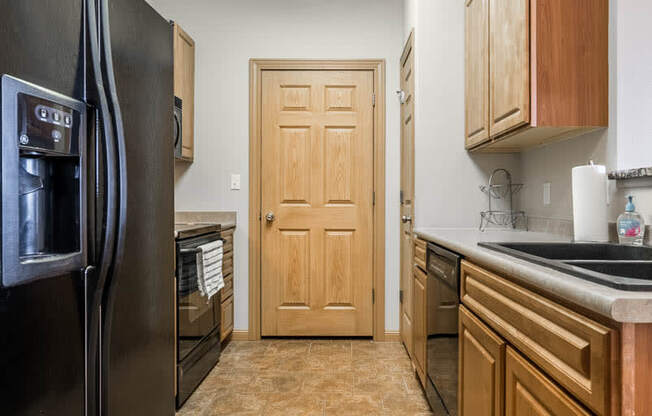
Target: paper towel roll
590, 212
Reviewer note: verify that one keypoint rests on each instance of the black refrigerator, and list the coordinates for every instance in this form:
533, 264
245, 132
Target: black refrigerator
87, 256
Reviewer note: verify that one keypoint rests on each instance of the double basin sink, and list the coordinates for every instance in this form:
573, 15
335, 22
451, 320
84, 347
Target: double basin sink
620, 267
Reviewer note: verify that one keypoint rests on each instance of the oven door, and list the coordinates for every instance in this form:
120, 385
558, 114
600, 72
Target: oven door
197, 316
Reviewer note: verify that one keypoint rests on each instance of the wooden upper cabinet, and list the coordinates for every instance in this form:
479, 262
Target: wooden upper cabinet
476, 63
509, 73
548, 71
184, 88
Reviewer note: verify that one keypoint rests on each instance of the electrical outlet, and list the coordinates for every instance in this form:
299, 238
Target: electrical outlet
546, 193
235, 182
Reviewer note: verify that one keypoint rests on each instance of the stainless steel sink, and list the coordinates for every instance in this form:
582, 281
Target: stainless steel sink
621, 267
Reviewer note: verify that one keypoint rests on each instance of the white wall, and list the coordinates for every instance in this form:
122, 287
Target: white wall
446, 175
229, 33
409, 17
634, 83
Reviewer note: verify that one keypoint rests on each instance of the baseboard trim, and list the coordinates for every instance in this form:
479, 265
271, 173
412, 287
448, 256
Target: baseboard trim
240, 335
392, 336
243, 335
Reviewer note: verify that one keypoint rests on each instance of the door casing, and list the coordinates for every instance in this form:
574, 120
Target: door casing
256, 68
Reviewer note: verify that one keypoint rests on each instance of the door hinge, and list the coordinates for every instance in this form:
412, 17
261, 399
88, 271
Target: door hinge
402, 200
373, 296
373, 99
400, 296
373, 198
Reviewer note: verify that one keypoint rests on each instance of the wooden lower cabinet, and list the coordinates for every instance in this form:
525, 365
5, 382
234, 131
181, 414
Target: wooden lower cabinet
529, 392
571, 348
227, 318
226, 298
419, 328
481, 368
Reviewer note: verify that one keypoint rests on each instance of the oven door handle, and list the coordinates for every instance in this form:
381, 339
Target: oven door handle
189, 250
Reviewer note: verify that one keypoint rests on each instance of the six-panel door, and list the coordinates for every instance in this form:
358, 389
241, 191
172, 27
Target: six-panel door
317, 187
407, 191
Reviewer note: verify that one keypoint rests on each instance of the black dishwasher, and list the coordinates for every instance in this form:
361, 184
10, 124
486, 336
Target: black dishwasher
442, 325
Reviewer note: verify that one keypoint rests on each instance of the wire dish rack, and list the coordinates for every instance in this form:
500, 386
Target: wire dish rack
496, 191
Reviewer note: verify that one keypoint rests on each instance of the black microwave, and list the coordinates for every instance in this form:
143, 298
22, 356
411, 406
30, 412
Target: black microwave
178, 126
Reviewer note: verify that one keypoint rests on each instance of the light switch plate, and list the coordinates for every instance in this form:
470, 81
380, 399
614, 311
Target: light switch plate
546, 193
235, 182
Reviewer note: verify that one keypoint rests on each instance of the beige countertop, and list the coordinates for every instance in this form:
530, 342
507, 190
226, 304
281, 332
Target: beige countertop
618, 305
226, 219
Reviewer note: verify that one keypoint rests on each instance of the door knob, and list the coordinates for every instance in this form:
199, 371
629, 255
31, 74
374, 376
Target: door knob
270, 216
406, 218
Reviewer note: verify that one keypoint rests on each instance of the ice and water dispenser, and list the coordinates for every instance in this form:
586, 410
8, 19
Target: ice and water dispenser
43, 183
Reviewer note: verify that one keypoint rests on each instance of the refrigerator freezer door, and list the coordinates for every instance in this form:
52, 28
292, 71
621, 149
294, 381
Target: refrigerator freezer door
138, 333
43, 322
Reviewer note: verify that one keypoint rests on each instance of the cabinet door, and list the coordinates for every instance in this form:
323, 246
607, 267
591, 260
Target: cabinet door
419, 326
509, 74
184, 87
482, 368
476, 72
227, 318
528, 392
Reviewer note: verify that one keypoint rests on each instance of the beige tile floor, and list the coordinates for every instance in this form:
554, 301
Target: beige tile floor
293, 377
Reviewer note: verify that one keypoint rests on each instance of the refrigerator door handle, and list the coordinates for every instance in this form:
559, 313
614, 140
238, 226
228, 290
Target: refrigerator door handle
114, 104
108, 246
110, 290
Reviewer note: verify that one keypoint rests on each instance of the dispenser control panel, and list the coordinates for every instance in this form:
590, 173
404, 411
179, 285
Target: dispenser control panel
46, 126
44, 183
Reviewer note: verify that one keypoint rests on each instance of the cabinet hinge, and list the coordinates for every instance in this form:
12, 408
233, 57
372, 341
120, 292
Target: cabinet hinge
373, 99
373, 295
400, 296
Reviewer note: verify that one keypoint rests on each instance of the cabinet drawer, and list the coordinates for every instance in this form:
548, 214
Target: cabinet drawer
226, 271
228, 242
420, 253
574, 350
227, 262
227, 318
227, 290
528, 391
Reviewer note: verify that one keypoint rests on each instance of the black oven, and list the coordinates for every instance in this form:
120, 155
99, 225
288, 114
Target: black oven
198, 319
442, 324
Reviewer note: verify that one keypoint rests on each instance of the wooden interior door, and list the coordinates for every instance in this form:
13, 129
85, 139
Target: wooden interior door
481, 368
476, 63
528, 392
407, 192
509, 75
317, 203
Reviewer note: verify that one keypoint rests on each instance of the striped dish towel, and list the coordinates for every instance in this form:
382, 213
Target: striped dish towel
209, 268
